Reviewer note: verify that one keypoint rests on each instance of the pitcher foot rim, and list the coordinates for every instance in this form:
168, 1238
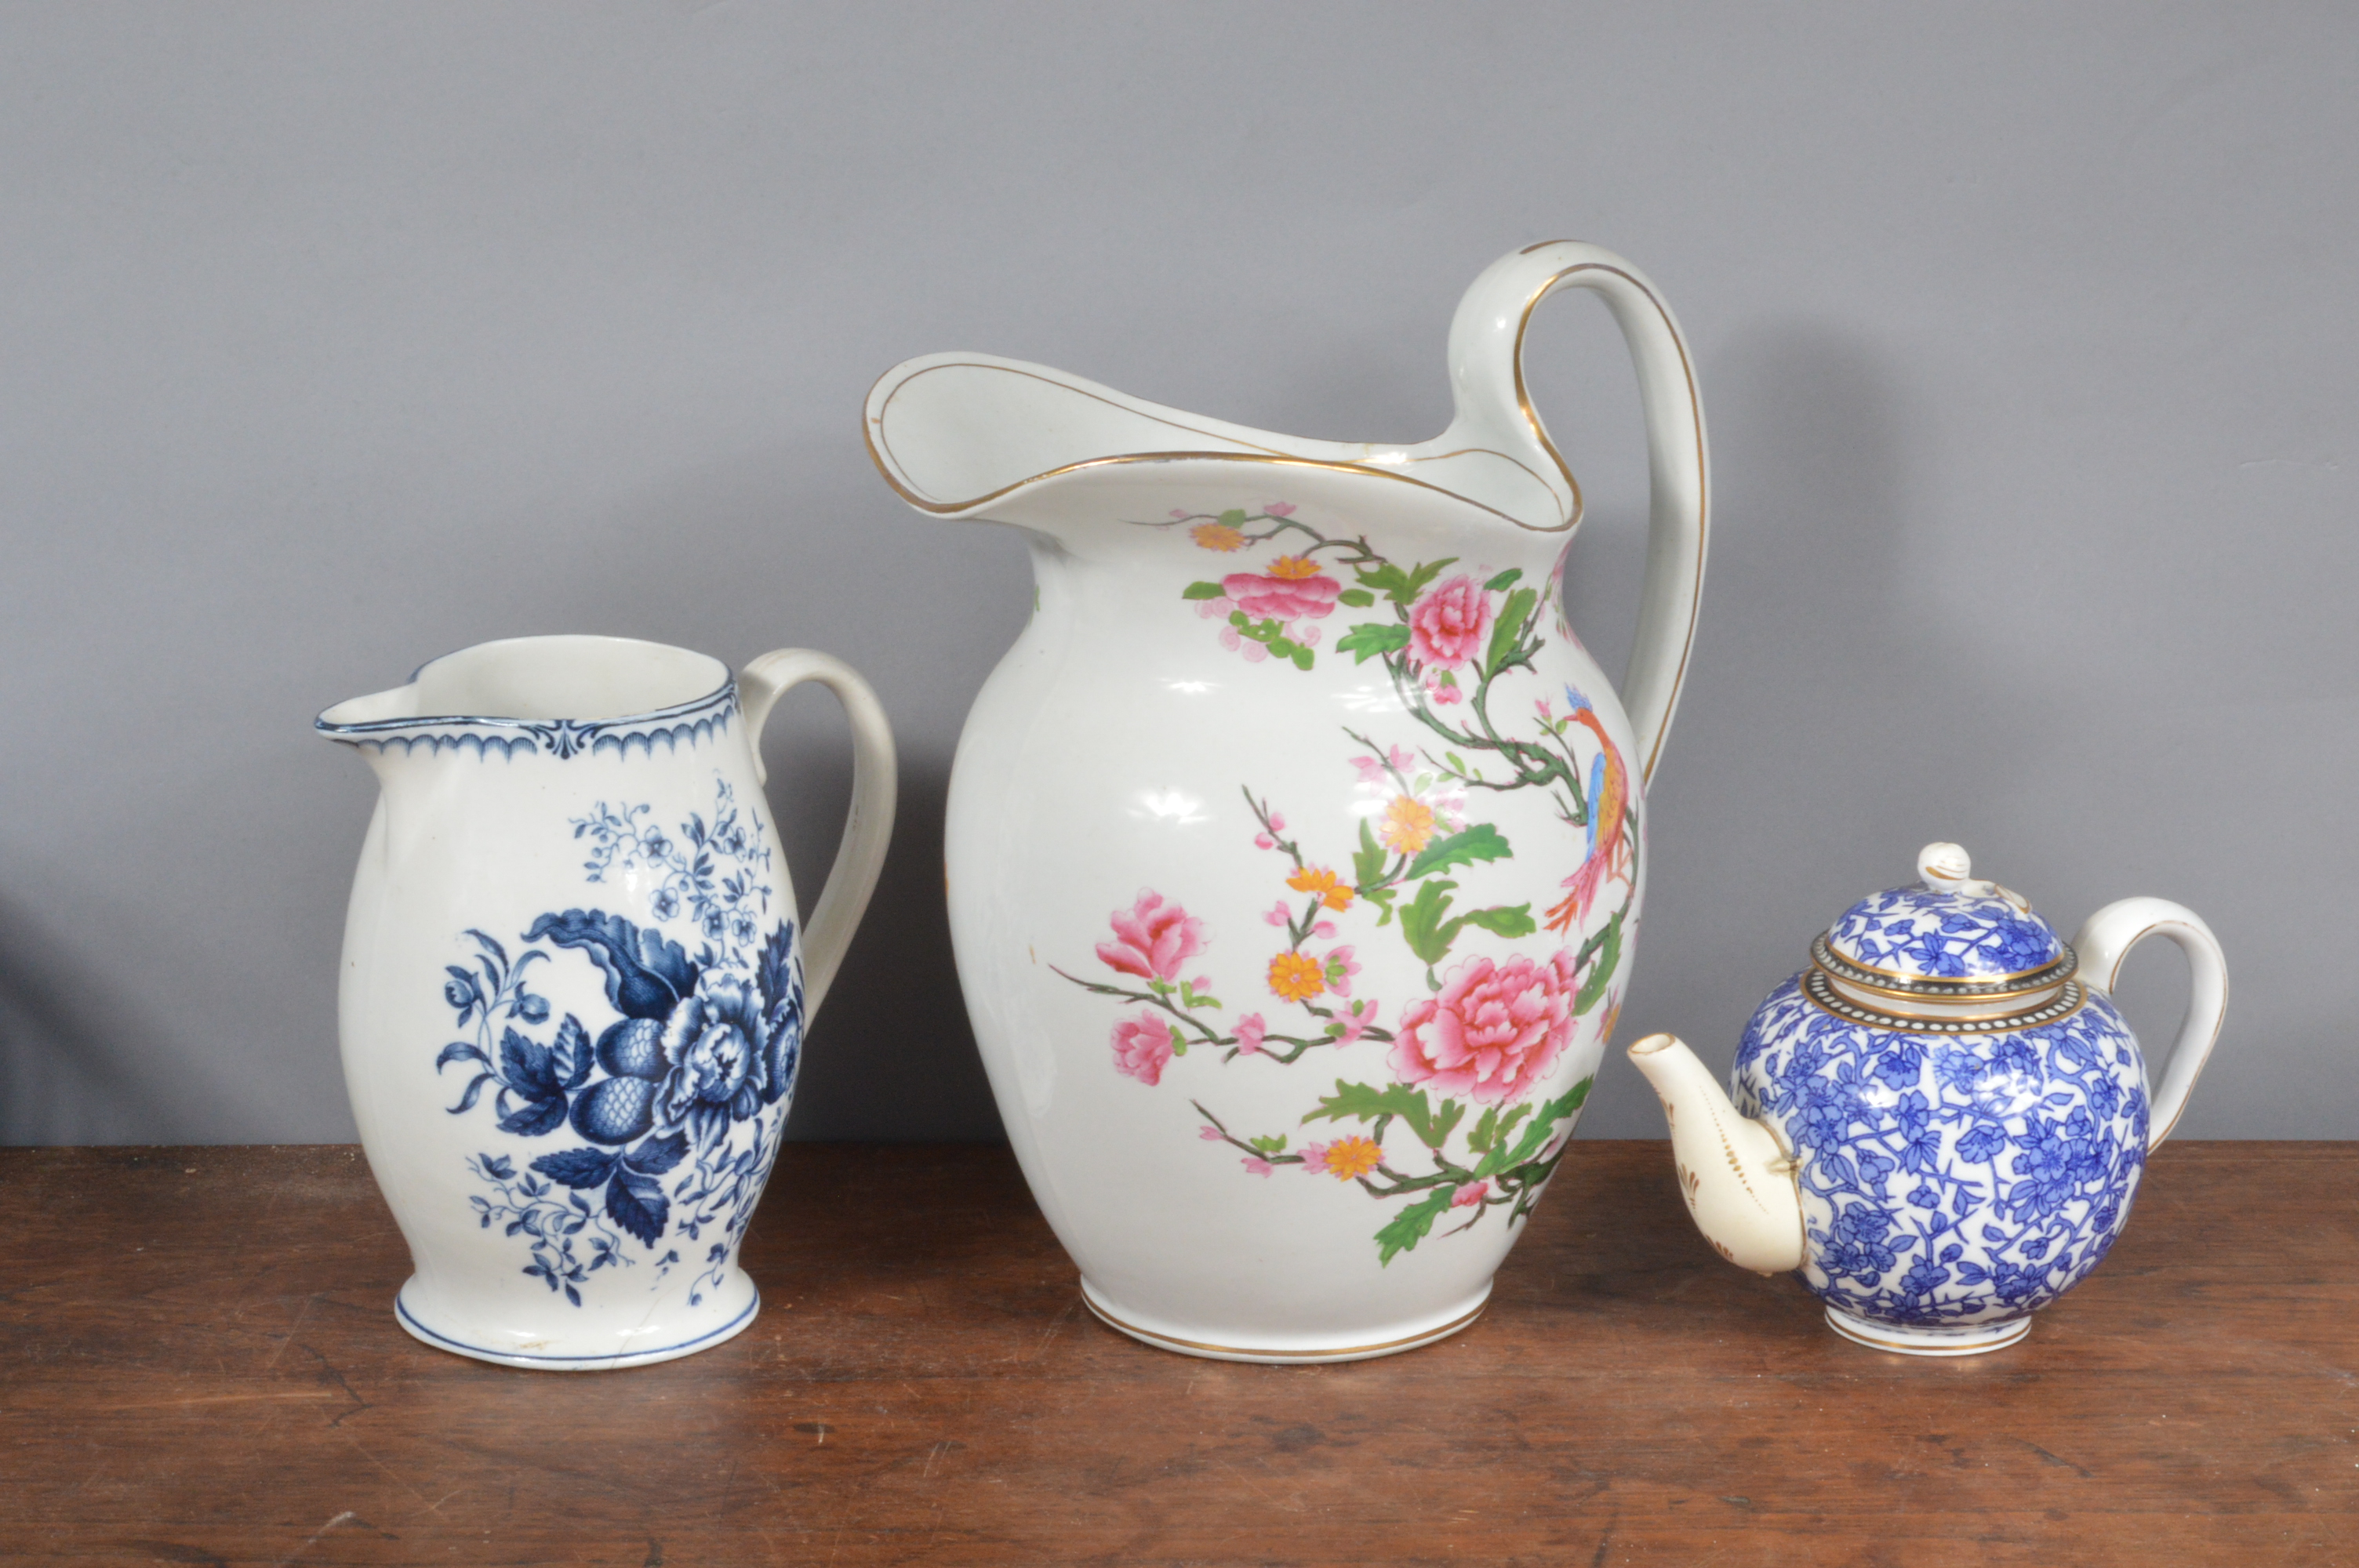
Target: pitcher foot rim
1112, 1319
610, 1361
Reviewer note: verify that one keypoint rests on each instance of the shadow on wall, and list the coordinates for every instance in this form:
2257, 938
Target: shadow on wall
1815, 747
891, 1056
70, 1052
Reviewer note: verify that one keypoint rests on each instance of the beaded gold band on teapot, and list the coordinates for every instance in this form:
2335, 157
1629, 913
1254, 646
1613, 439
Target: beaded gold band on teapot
1819, 989
1927, 988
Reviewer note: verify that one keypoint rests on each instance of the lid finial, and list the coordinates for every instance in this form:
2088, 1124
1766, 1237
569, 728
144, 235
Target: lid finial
1945, 867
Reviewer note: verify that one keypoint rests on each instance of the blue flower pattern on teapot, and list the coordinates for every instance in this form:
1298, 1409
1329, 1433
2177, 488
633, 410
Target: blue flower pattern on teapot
1950, 1181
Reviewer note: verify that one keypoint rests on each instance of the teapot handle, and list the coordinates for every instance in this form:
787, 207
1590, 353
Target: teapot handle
2106, 938
860, 856
1486, 365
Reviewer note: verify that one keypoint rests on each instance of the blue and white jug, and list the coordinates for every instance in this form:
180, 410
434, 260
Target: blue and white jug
1942, 1120
574, 989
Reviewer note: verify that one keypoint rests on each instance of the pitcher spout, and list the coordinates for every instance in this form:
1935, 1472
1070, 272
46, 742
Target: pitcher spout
1737, 1179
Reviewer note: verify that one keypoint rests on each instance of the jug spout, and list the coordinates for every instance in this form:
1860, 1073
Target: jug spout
1738, 1181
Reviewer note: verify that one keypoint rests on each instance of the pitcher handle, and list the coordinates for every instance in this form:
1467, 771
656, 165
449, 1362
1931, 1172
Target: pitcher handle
2106, 938
860, 856
1486, 365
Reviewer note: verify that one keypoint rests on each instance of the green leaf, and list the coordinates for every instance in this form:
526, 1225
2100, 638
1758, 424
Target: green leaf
1498, 1155
1303, 658
1239, 618
1203, 591
1234, 517
1544, 1124
1503, 579
1275, 1145
1508, 629
1426, 574
1423, 924
1282, 646
1387, 579
1502, 920
1485, 1128
1383, 899
1357, 597
1480, 842
1365, 1102
1371, 638
1602, 972
1412, 1225
1368, 859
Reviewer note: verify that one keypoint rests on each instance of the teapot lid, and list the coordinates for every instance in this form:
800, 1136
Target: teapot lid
1946, 934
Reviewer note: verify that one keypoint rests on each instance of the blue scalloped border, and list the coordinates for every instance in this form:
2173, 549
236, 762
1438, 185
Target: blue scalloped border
688, 723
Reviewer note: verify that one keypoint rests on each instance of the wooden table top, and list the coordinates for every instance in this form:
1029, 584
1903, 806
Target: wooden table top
198, 1364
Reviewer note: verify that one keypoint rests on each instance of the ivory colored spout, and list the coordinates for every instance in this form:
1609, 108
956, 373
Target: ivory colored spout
1737, 1179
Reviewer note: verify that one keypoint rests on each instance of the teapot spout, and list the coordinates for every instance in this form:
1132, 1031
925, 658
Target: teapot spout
1737, 1179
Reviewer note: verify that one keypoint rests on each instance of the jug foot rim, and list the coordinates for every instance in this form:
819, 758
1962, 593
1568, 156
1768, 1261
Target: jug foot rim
1112, 1318
597, 1363
1975, 1340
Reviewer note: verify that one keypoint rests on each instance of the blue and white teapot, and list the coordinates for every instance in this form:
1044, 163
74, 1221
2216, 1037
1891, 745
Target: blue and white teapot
1942, 1120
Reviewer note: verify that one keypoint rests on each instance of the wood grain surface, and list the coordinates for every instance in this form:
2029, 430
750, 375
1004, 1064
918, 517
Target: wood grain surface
198, 1364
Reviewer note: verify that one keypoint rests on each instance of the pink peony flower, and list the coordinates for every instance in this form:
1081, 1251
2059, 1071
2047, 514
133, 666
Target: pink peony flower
1282, 598
1446, 627
1155, 938
1494, 1030
1256, 1165
1141, 1047
1470, 1194
1250, 1029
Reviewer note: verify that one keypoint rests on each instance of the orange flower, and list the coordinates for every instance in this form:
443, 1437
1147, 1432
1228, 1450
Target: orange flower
1217, 536
1408, 826
1325, 883
1294, 568
1296, 976
1353, 1156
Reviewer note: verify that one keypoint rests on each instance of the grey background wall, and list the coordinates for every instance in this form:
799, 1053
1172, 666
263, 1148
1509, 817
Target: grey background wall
334, 336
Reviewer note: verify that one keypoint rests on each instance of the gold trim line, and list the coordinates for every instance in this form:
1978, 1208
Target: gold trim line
868, 435
1148, 1335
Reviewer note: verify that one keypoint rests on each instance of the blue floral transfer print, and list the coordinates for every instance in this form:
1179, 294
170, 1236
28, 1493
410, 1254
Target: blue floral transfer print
673, 1101
1950, 1180
1916, 930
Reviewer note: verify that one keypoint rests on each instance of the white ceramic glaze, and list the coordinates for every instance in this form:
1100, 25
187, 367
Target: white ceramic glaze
574, 991
1294, 786
1943, 1121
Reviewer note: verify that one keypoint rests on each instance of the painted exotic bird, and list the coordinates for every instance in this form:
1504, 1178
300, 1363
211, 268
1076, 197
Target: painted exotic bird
1609, 847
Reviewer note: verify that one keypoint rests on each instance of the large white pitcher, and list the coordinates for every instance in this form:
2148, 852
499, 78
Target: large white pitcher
1296, 849
574, 991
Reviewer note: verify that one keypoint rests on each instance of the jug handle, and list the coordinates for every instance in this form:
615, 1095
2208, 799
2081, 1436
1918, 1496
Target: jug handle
1486, 365
860, 855
2106, 939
